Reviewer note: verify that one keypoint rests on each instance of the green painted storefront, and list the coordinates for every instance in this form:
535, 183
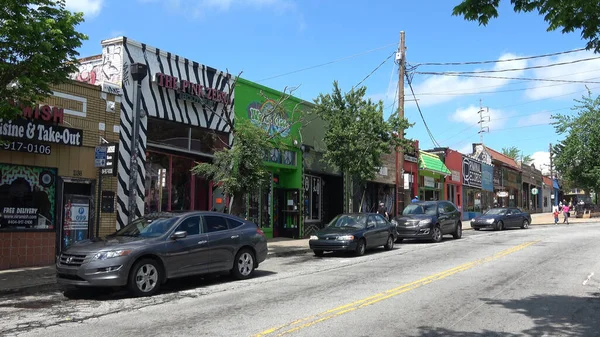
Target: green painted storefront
276, 208
432, 173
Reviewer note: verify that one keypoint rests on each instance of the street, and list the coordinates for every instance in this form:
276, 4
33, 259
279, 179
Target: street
544, 281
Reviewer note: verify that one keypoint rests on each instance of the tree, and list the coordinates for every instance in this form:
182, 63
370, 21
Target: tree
357, 134
566, 15
239, 167
516, 154
576, 156
38, 43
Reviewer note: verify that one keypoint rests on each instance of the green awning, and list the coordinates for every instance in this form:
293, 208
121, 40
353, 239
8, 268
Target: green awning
431, 162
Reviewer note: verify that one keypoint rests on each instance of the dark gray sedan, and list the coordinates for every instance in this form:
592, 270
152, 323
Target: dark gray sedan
150, 250
501, 218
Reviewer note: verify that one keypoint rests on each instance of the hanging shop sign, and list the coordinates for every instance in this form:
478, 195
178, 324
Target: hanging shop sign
188, 91
411, 158
534, 191
471, 172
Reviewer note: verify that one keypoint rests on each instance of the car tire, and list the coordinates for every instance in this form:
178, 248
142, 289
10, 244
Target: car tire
500, 226
525, 224
458, 232
243, 265
436, 234
361, 247
390, 243
145, 278
318, 252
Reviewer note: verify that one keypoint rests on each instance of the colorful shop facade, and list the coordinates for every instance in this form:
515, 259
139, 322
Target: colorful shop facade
454, 181
506, 176
49, 186
432, 175
186, 115
282, 205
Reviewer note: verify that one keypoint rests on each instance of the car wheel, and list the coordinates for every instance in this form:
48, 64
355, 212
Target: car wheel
361, 247
243, 268
500, 226
145, 278
390, 243
525, 224
318, 253
458, 232
436, 234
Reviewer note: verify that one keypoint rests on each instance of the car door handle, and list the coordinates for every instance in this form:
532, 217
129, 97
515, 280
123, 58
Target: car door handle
235, 236
202, 242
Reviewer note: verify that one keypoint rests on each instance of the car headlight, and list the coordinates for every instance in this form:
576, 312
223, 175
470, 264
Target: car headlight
490, 221
473, 220
314, 237
345, 238
424, 222
394, 222
112, 254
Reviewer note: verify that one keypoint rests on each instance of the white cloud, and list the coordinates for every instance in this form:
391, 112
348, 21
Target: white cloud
447, 88
90, 8
541, 160
470, 116
538, 118
465, 148
580, 71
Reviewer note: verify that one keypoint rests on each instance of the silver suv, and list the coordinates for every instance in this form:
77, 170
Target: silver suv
150, 250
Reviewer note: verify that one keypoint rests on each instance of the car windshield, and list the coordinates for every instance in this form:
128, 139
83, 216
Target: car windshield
496, 211
419, 209
349, 221
144, 227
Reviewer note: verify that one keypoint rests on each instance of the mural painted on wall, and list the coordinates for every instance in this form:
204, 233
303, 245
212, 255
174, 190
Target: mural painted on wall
102, 69
262, 115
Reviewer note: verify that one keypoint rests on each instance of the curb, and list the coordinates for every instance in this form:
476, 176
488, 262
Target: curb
293, 252
33, 289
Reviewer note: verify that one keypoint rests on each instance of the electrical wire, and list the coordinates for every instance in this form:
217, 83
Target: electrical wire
330, 62
420, 112
524, 68
498, 61
504, 78
374, 70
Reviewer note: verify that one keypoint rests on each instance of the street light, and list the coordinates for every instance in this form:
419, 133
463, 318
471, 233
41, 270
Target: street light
138, 71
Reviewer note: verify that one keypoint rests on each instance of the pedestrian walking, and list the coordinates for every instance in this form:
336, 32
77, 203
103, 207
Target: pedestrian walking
556, 214
383, 211
566, 214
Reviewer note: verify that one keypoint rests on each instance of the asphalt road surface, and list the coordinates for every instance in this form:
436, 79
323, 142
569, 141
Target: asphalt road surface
544, 281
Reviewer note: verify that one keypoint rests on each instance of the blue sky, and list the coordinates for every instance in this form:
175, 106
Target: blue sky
268, 38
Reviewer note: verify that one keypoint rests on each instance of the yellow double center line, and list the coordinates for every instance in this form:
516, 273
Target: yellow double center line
338, 311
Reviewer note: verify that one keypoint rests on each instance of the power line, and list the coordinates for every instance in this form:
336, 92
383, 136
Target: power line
374, 70
524, 68
458, 92
503, 78
330, 62
498, 61
420, 112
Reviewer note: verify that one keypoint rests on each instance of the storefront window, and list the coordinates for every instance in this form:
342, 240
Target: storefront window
312, 198
168, 133
27, 197
472, 200
181, 184
157, 174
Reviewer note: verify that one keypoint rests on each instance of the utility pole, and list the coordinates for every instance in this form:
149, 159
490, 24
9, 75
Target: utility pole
401, 58
551, 166
482, 119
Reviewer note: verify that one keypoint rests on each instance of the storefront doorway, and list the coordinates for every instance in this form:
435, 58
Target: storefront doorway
76, 211
286, 212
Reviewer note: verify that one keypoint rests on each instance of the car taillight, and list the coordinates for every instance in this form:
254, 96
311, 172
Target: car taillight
259, 231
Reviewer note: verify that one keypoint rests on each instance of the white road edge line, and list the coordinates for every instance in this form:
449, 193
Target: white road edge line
588, 278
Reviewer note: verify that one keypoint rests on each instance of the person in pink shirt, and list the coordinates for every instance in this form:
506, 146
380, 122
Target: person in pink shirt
566, 213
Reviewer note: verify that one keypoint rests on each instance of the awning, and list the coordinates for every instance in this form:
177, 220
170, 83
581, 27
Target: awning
431, 162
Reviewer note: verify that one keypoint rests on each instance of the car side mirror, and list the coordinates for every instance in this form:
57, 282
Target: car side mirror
179, 235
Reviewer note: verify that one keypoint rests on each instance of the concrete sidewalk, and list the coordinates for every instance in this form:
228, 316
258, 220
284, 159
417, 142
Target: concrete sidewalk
31, 280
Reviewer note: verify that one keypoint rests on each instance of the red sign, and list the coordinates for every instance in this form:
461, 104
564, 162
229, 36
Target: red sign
189, 90
44, 113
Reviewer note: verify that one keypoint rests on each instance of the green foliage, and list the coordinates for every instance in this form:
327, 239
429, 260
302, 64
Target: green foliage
566, 15
516, 154
576, 156
38, 43
357, 134
240, 169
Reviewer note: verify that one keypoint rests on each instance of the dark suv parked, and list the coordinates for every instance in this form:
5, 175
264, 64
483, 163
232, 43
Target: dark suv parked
428, 220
